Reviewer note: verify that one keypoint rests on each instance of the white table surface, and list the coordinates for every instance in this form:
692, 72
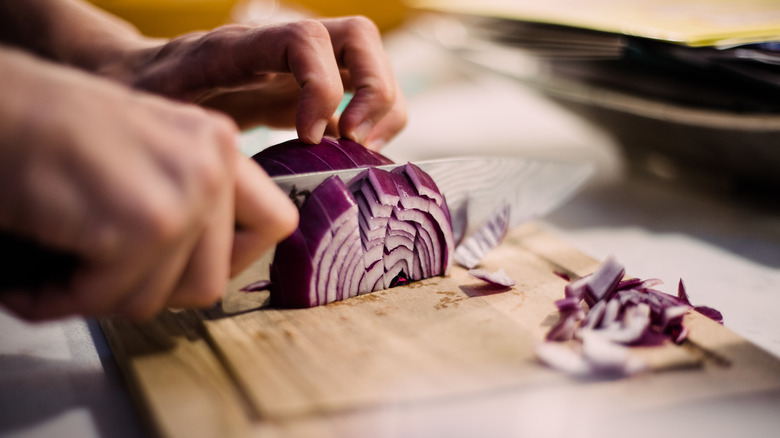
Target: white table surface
58, 379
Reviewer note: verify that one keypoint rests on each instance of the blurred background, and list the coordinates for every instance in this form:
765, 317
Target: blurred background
687, 91
166, 18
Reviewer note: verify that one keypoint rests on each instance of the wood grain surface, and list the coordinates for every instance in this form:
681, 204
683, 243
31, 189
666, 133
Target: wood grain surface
336, 370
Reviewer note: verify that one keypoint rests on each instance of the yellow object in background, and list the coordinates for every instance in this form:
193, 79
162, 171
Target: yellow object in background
694, 23
166, 18
387, 14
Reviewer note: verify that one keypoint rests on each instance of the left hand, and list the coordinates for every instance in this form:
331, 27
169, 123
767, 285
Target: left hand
282, 75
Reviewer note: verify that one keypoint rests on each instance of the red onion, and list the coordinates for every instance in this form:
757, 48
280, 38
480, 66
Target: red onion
619, 313
381, 229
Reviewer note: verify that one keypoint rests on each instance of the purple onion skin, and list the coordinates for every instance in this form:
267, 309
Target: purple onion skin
295, 254
295, 156
294, 264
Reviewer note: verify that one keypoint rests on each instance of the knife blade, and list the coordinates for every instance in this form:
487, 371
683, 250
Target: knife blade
477, 188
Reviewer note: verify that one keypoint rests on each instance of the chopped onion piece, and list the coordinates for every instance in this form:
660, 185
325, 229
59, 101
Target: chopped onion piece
499, 278
603, 283
607, 357
257, 286
578, 287
709, 312
566, 326
562, 358
636, 320
471, 251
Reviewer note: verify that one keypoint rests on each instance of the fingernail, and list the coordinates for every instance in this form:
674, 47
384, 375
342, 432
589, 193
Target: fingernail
361, 132
317, 130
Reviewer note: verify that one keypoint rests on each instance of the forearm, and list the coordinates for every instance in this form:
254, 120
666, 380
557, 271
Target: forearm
69, 31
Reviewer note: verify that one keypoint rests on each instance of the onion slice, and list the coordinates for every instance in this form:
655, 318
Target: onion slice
471, 251
498, 278
295, 156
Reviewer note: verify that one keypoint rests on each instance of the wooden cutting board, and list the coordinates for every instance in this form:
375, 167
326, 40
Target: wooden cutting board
302, 372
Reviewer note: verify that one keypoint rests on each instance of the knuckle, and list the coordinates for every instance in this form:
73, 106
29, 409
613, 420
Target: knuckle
384, 94
161, 223
308, 29
208, 176
208, 167
361, 25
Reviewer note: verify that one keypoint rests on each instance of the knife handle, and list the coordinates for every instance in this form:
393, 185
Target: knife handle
29, 266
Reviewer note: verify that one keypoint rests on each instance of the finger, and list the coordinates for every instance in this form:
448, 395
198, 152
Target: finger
205, 278
264, 215
389, 126
273, 105
357, 45
150, 296
305, 50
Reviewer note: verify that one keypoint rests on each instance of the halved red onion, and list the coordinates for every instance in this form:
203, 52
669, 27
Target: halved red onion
381, 229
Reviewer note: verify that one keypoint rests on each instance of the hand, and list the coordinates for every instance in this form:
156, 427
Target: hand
146, 193
281, 75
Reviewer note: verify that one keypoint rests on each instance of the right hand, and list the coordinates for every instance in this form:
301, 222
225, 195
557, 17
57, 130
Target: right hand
151, 196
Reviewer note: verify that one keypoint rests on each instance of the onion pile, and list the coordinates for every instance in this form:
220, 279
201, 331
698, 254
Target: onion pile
618, 313
379, 230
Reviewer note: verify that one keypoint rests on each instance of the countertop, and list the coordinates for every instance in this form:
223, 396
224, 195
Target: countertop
58, 379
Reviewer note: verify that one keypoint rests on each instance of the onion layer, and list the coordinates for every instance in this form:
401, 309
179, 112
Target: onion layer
294, 156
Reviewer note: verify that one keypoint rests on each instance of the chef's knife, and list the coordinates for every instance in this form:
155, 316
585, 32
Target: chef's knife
477, 188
